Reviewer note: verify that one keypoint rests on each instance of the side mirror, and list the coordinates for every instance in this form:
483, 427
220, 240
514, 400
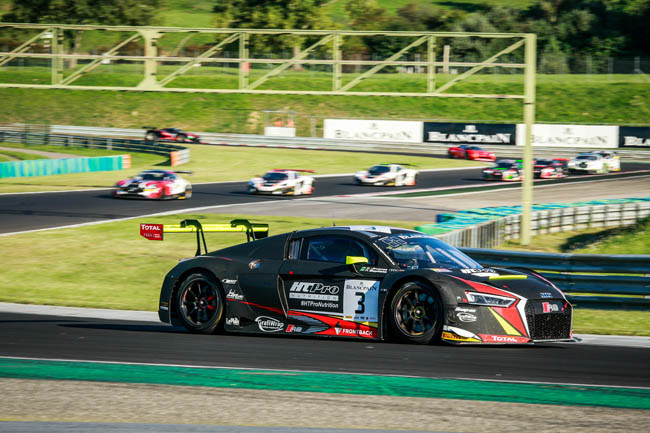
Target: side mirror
351, 260
355, 263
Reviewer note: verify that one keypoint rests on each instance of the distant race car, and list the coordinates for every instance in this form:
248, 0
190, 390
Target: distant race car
361, 282
154, 184
595, 162
504, 169
387, 174
170, 134
468, 151
282, 182
548, 168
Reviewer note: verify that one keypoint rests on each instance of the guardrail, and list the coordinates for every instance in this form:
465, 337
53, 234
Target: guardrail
487, 228
330, 144
36, 136
578, 275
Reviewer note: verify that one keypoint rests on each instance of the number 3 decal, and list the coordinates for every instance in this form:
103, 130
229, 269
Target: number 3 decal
360, 307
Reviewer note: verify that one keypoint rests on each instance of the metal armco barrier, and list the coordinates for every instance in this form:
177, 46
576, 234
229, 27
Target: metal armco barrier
567, 271
50, 167
330, 144
181, 153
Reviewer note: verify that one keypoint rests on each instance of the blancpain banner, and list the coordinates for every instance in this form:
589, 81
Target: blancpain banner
570, 136
373, 130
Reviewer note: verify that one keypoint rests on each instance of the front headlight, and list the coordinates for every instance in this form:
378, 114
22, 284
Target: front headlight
476, 298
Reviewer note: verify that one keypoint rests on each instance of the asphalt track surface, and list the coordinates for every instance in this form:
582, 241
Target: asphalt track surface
68, 338
22, 212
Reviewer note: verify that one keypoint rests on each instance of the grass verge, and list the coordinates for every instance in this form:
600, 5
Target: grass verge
111, 266
220, 164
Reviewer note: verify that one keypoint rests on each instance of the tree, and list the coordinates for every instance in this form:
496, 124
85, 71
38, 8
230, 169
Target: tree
106, 12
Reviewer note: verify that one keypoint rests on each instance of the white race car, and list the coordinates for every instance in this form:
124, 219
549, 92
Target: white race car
387, 174
595, 162
282, 182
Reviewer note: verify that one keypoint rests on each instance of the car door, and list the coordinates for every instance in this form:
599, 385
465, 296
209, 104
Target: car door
326, 293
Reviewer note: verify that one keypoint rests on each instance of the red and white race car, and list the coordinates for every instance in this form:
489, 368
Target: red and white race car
154, 184
547, 168
468, 151
282, 182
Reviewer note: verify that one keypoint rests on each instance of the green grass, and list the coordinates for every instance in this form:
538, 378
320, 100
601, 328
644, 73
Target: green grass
620, 99
111, 266
15, 155
219, 164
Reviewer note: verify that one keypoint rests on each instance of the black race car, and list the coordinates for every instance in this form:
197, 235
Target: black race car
360, 282
170, 134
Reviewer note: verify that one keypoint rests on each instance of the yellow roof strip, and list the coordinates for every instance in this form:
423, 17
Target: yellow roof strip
508, 277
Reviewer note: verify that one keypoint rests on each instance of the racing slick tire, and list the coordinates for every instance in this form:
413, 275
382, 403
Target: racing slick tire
200, 303
416, 314
187, 193
150, 136
181, 138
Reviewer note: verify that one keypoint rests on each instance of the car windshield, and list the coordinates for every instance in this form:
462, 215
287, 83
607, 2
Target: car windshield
151, 176
587, 157
417, 250
474, 148
275, 176
544, 162
504, 164
379, 169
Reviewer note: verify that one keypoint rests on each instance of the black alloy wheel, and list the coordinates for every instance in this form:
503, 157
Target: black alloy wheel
416, 313
200, 303
181, 138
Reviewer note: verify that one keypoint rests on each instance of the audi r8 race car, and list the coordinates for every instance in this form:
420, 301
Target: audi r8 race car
504, 169
387, 174
365, 282
282, 182
170, 134
154, 184
469, 151
551, 168
595, 162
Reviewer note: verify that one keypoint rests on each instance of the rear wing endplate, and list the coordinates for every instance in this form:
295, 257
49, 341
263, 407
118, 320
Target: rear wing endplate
156, 232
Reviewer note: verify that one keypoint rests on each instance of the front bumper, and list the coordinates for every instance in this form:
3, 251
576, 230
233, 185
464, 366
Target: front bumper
136, 193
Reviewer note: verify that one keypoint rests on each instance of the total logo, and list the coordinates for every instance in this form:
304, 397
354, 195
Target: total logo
234, 295
151, 227
269, 324
301, 287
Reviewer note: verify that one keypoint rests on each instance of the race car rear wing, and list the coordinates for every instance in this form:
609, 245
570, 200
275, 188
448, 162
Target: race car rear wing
156, 232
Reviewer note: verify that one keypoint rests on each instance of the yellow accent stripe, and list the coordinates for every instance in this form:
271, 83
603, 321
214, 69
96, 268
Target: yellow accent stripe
510, 330
508, 277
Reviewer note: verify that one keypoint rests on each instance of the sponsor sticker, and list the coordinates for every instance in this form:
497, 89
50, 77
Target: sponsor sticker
548, 307
355, 332
466, 317
373, 270
314, 291
227, 281
360, 300
269, 324
480, 272
503, 338
232, 321
294, 328
234, 295
449, 336
153, 232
